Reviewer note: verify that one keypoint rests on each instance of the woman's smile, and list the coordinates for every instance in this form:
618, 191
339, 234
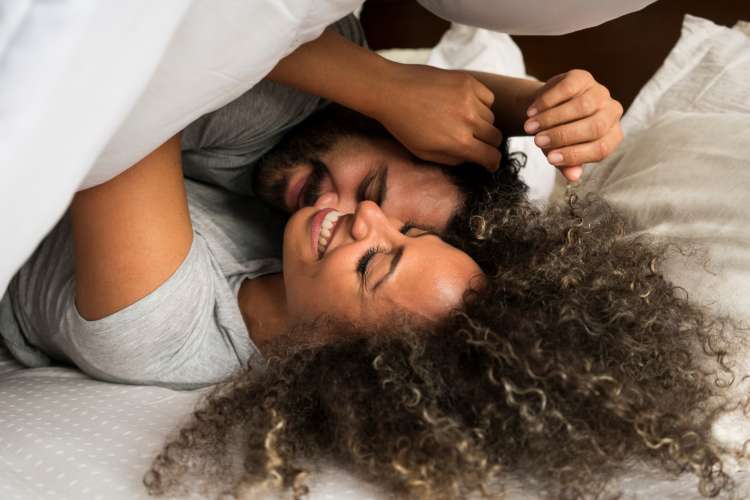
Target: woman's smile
327, 229
322, 226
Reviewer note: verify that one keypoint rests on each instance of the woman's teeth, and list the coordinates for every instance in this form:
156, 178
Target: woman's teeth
326, 230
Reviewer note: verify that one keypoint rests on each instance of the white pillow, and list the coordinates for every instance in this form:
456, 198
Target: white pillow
707, 71
686, 180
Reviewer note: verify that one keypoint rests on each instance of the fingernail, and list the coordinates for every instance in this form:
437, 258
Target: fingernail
542, 140
532, 111
531, 127
573, 173
555, 158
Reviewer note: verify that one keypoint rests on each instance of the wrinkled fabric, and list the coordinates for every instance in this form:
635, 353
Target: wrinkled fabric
88, 88
533, 17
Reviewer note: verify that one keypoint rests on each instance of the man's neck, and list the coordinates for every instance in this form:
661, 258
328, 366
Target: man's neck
262, 302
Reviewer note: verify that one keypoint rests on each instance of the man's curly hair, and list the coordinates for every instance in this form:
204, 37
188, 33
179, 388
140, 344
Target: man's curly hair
575, 359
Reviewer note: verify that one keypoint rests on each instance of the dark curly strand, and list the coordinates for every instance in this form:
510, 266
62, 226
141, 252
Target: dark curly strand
575, 359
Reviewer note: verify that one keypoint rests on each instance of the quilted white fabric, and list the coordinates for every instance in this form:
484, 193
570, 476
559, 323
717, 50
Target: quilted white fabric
707, 71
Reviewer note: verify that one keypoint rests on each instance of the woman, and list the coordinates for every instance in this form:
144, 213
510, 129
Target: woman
574, 358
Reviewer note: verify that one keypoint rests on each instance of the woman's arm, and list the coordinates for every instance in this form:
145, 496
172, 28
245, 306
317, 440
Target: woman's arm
572, 116
439, 115
450, 116
130, 233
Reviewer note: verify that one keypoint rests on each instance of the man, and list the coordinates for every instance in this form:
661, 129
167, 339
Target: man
343, 158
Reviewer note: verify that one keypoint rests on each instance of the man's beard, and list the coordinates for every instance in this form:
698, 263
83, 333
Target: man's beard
271, 182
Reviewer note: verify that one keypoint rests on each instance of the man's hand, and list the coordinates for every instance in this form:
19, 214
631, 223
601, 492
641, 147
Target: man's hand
441, 116
575, 121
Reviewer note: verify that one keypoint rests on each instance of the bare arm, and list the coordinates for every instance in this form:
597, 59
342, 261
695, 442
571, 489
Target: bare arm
453, 116
337, 69
405, 98
513, 96
130, 233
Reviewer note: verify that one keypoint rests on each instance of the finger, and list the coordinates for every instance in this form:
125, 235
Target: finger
582, 106
483, 154
572, 173
484, 94
571, 84
488, 134
586, 130
485, 113
588, 152
533, 110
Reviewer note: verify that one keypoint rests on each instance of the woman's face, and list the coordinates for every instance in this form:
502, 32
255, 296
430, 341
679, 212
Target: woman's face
366, 266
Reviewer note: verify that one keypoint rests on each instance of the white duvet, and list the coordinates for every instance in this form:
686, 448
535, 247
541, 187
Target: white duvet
66, 436
89, 87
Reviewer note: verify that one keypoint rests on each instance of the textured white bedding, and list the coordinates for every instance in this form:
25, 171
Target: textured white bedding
65, 436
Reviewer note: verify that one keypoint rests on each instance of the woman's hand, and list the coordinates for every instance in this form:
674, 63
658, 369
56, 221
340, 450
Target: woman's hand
575, 121
440, 115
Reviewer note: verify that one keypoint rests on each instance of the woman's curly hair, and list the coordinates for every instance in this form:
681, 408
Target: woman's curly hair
574, 360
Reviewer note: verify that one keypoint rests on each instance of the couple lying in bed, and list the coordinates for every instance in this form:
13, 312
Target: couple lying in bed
431, 329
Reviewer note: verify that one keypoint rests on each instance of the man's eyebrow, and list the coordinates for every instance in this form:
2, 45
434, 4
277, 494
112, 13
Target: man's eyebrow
382, 185
379, 175
394, 262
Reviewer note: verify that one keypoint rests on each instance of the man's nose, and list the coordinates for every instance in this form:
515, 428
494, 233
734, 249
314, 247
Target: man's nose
327, 200
368, 217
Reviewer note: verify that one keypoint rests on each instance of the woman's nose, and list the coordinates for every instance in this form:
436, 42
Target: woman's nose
368, 217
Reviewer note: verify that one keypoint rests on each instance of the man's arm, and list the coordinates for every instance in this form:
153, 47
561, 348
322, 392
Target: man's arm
130, 233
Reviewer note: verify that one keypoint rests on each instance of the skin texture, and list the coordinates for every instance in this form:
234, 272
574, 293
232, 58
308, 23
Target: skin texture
575, 359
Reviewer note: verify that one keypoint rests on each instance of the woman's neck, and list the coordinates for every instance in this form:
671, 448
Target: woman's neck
262, 302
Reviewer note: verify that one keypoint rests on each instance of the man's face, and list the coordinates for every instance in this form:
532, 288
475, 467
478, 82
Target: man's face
355, 169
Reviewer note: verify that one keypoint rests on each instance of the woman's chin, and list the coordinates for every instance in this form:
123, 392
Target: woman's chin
297, 246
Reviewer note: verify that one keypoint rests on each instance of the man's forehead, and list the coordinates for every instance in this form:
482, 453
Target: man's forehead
361, 144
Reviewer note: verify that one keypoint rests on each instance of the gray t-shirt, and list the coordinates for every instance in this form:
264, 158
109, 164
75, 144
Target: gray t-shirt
187, 333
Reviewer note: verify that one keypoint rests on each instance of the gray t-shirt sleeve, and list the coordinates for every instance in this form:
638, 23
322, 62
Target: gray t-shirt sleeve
222, 147
187, 333
178, 336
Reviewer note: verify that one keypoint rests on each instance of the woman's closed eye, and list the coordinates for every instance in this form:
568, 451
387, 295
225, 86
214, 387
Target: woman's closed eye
363, 265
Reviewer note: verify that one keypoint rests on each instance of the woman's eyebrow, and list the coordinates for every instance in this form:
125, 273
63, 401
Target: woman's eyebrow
394, 262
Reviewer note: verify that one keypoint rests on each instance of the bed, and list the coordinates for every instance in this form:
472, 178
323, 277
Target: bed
66, 436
